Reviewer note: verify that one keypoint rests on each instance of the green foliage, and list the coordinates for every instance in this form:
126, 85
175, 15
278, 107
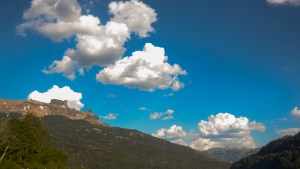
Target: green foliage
283, 153
99, 147
28, 145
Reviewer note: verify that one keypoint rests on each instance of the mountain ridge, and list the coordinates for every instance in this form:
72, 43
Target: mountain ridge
99, 147
229, 154
90, 144
41, 109
283, 153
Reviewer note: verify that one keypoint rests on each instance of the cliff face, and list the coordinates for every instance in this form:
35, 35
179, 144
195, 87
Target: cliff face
40, 109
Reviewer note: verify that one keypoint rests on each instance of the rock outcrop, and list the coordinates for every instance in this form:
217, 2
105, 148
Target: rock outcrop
40, 109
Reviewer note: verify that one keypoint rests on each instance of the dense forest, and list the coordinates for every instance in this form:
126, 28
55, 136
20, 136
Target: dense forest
25, 143
283, 153
100, 147
57, 142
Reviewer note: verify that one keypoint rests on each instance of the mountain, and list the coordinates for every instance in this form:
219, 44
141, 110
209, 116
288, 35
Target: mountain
229, 154
283, 153
40, 109
94, 145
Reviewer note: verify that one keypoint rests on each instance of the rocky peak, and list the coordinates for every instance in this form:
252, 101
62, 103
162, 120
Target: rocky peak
40, 109
59, 102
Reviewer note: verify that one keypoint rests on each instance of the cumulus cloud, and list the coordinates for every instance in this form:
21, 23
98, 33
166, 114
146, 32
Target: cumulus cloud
295, 112
228, 130
177, 135
64, 93
65, 66
110, 116
284, 2
257, 126
221, 130
288, 131
227, 124
97, 44
174, 132
203, 144
135, 14
168, 115
146, 70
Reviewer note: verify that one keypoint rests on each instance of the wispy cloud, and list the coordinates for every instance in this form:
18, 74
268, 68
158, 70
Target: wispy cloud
288, 131
110, 116
295, 112
168, 115
284, 2
169, 95
143, 109
111, 96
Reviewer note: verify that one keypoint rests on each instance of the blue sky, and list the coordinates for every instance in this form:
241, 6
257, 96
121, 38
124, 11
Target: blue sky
241, 57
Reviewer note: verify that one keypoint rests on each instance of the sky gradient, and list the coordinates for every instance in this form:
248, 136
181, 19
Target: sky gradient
235, 57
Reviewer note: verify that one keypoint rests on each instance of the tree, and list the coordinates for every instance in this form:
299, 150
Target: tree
29, 145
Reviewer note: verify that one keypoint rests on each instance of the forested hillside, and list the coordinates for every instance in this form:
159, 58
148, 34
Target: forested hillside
100, 147
283, 153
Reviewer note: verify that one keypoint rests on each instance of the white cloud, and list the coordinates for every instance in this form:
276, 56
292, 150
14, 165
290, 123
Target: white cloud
97, 44
168, 115
227, 124
143, 109
110, 116
174, 132
257, 126
295, 112
288, 131
135, 14
221, 130
228, 130
66, 66
146, 70
156, 115
203, 144
284, 2
169, 95
179, 141
65, 93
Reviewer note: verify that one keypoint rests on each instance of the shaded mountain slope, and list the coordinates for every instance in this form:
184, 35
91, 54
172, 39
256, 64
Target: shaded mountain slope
229, 154
283, 153
97, 147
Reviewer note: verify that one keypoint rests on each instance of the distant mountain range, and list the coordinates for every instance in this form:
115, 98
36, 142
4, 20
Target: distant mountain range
229, 154
283, 153
91, 144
